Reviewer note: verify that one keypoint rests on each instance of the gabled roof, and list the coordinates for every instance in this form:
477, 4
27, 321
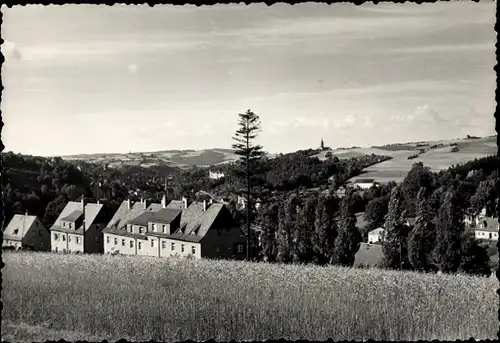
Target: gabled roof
73, 216
123, 214
491, 224
176, 204
18, 226
164, 216
364, 180
369, 255
91, 212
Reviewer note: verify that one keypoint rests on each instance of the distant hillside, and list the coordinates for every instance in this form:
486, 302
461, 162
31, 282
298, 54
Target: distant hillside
172, 158
437, 155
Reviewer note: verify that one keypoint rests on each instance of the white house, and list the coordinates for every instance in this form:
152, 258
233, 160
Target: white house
487, 229
364, 183
471, 220
376, 235
215, 175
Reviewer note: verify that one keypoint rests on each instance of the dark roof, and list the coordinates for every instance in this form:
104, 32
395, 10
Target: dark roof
364, 180
369, 255
165, 216
91, 213
73, 216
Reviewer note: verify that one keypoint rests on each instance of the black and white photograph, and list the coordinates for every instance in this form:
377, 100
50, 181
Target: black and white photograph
249, 172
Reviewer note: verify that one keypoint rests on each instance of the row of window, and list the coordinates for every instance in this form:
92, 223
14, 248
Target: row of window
69, 225
153, 244
63, 237
487, 234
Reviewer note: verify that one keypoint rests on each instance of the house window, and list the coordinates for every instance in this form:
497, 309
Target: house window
164, 228
153, 226
107, 239
140, 245
141, 230
64, 250
163, 245
172, 246
69, 238
182, 247
57, 249
152, 243
64, 224
239, 248
69, 225
217, 249
116, 241
219, 232
64, 238
78, 240
228, 231
123, 242
131, 243
131, 228
193, 250
16, 231
56, 237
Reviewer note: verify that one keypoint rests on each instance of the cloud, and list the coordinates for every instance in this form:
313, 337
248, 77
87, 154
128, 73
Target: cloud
349, 121
11, 51
421, 114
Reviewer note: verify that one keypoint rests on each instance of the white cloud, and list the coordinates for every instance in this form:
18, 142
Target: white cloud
346, 122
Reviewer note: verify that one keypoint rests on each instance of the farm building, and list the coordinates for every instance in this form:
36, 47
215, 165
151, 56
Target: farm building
215, 175
26, 232
368, 255
79, 228
200, 229
364, 183
376, 235
487, 229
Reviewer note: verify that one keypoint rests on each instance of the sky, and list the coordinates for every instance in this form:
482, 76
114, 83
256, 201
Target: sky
90, 79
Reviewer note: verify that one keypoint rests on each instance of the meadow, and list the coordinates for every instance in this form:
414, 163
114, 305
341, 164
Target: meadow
437, 159
140, 298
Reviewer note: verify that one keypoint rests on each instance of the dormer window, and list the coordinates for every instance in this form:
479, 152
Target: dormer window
164, 228
141, 229
70, 226
153, 227
64, 224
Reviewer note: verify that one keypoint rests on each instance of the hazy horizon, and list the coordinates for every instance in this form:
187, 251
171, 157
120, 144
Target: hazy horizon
87, 79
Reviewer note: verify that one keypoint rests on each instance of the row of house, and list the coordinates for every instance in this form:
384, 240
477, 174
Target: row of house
179, 228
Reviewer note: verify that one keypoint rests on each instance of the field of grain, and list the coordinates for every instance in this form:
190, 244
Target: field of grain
144, 298
436, 159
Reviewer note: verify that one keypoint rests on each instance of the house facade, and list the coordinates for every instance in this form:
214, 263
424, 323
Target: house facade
26, 232
487, 229
215, 175
78, 229
377, 235
364, 183
199, 230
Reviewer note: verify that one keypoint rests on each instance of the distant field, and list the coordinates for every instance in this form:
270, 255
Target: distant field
142, 298
436, 159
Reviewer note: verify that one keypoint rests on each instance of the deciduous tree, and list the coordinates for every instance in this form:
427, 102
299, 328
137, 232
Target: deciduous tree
348, 237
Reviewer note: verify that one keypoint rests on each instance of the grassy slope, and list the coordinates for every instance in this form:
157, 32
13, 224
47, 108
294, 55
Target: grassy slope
172, 299
436, 159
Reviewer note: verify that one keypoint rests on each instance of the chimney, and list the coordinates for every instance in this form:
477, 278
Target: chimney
210, 201
26, 214
97, 202
145, 202
128, 204
184, 202
204, 205
164, 201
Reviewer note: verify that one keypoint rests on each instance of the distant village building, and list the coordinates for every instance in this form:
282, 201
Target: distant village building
364, 183
26, 232
377, 235
215, 175
197, 229
487, 229
78, 229
242, 202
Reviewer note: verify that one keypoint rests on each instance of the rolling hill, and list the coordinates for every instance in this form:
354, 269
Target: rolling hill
436, 155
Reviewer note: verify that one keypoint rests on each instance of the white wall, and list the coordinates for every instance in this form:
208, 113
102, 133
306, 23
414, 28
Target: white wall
124, 250
479, 234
